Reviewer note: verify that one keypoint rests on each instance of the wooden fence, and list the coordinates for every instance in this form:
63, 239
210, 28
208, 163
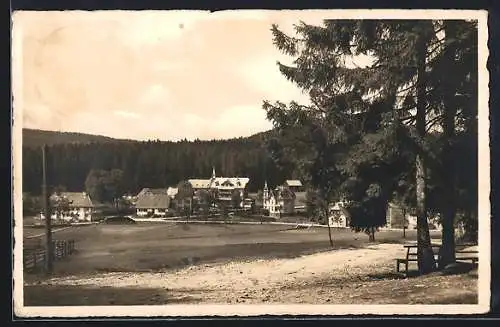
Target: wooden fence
34, 259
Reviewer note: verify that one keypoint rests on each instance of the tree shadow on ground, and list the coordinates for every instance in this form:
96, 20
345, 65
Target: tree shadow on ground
77, 295
456, 299
385, 275
459, 268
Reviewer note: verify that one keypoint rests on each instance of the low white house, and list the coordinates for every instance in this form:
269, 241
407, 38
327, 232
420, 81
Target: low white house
153, 202
337, 216
72, 206
294, 185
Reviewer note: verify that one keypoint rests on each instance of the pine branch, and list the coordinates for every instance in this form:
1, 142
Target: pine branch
432, 122
288, 45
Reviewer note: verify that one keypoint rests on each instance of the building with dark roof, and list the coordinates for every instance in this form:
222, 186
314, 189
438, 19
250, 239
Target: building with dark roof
73, 206
153, 202
279, 201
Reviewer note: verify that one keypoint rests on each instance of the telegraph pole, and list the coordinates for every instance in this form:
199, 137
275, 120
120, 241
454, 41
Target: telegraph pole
47, 213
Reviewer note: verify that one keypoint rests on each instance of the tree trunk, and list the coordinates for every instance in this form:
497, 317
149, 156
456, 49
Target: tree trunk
425, 254
371, 235
448, 210
404, 223
329, 227
426, 261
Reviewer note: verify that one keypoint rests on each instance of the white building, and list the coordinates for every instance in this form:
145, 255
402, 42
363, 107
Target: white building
72, 206
294, 185
337, 216
280, 201
224, 186
155, 202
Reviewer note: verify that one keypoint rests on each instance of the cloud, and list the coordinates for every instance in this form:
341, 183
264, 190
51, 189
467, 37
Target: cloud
126, 114
142, 28
235, 121
263, 74
184, 74
242, 120
154, 94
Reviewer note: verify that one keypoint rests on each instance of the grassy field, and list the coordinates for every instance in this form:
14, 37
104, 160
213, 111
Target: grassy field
150, 247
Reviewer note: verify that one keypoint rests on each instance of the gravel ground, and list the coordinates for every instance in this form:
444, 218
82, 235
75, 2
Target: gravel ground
345, 276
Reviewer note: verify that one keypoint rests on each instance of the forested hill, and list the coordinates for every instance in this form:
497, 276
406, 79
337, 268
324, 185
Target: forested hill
145, 164
36, 138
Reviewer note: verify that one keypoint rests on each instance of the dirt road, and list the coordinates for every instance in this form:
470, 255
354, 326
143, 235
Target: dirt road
345, 276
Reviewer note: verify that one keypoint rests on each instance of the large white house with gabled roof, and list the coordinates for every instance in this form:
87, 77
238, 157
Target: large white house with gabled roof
225, 186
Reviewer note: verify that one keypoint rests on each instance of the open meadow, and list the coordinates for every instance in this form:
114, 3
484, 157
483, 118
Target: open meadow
157, 246
163, 263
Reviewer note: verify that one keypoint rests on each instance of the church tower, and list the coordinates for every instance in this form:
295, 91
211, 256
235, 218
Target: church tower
266, 192
212, 179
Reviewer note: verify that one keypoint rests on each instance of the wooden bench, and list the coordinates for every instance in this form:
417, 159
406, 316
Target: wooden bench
413, 256
470, 255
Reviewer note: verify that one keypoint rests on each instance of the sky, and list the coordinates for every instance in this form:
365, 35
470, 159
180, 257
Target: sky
165, 75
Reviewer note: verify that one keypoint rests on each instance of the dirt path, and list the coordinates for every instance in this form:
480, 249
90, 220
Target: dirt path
245, 274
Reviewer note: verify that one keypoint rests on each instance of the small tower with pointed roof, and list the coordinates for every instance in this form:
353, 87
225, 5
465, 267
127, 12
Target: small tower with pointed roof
265, 194
213, 178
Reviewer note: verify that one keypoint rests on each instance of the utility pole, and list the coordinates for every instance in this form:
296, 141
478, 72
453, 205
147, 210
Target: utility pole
47, 213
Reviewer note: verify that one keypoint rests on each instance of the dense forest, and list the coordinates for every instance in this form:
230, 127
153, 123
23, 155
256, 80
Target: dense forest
145, 164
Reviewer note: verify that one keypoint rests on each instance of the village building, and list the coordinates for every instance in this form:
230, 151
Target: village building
300, 202
130, 198
397, 216
73, 206
153, 202
338, 216
294, 185
224, 187
280, 201
172, 192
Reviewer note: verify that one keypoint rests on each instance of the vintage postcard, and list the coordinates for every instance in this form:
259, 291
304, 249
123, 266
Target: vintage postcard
250, 162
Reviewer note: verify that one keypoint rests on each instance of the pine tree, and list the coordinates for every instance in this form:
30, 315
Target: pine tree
394, 95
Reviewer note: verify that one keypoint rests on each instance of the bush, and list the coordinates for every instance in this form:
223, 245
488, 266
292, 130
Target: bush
264, 212
119, 220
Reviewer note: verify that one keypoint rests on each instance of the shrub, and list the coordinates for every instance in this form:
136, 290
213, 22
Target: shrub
119, 220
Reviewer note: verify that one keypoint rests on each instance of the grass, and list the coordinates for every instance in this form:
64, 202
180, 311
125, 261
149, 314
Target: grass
150, 247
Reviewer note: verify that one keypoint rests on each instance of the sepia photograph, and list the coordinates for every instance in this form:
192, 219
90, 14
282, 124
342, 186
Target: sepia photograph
250, 162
